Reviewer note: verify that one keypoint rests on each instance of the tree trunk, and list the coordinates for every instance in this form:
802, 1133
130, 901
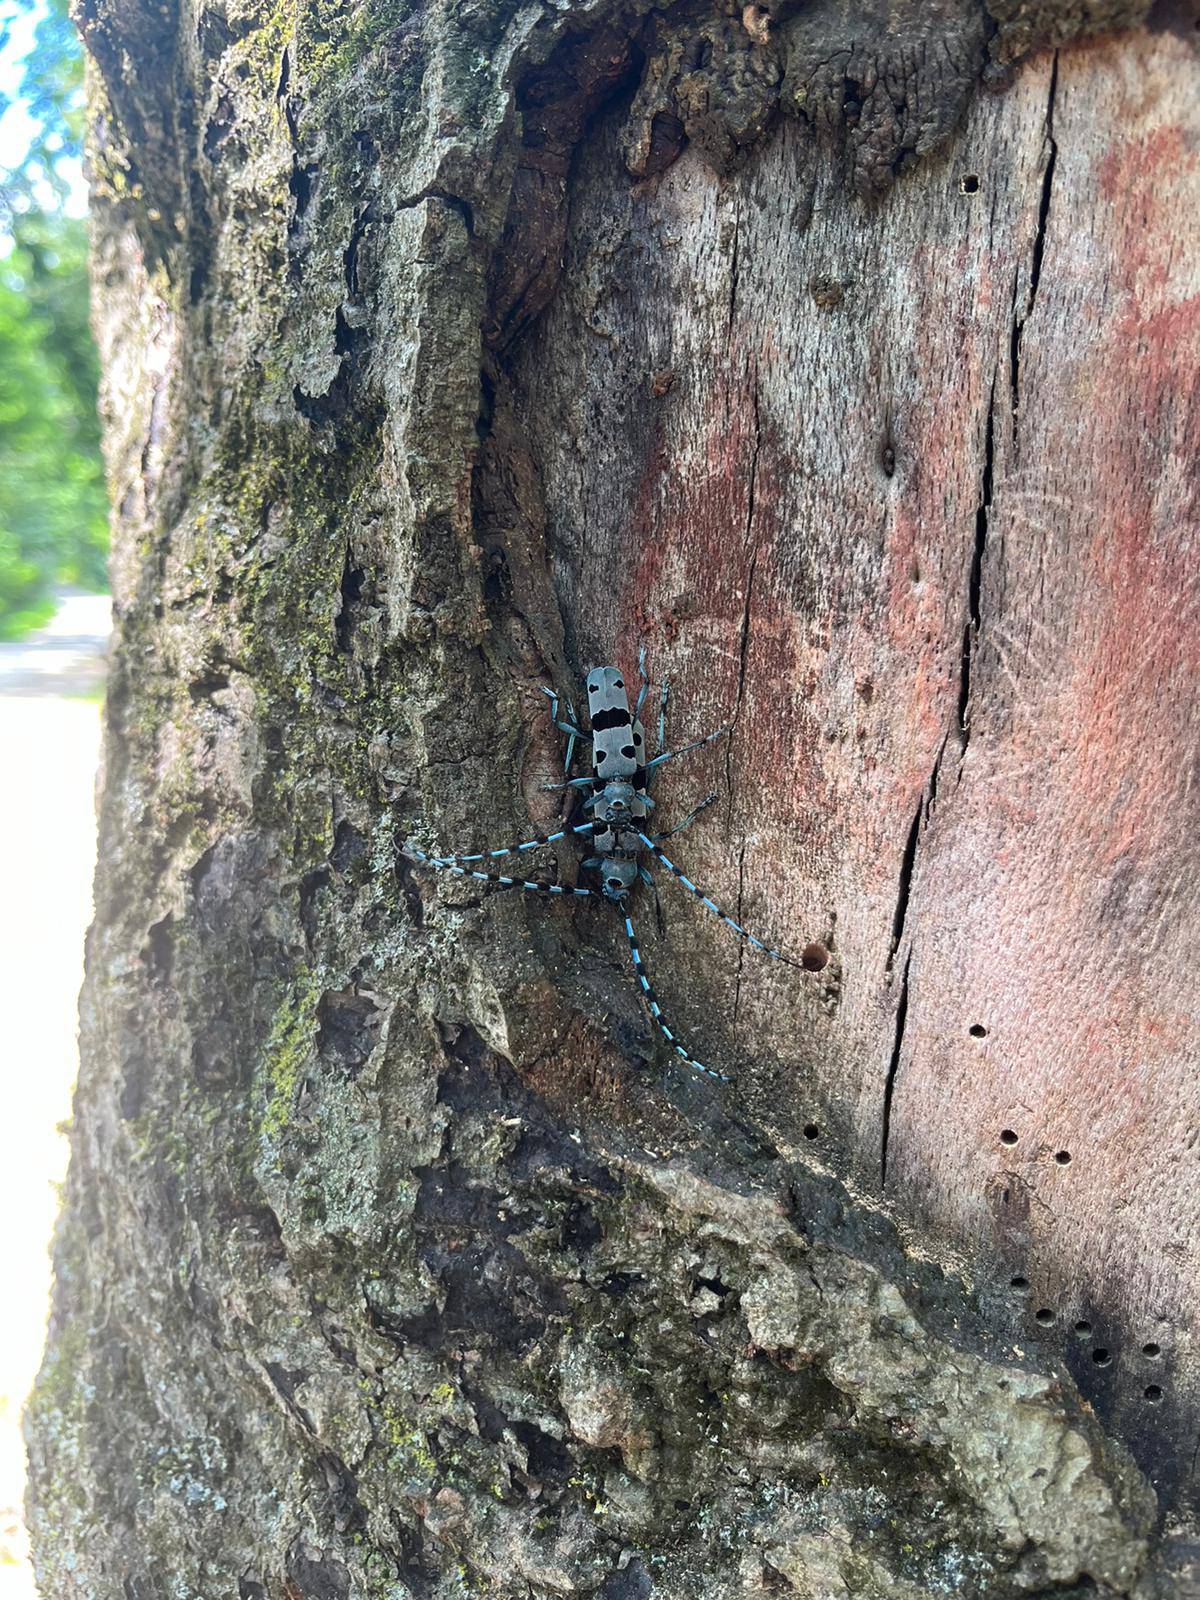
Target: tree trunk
845, 358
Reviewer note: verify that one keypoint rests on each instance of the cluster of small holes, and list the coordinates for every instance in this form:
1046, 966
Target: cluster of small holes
1045, 1316
1102, 1356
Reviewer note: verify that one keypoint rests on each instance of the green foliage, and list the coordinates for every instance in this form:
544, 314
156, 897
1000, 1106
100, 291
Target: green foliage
53, 523
53, 509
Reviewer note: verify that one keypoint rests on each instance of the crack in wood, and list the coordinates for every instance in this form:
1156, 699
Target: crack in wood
889, 1087
973, 623
1019, 319
904, 887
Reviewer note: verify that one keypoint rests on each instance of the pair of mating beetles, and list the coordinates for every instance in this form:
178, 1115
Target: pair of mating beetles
617, 820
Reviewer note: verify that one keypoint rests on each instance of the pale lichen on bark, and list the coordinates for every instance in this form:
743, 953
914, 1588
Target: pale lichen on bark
371, 1280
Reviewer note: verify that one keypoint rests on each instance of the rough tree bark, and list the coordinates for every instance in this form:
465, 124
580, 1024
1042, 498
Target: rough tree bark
845, 356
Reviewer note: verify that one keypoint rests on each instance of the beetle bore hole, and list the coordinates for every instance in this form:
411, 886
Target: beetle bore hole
1151, 1349
1007, 1136
1102, 1357
1019, 1283
1153, 1393
811, 1131
969, 183
977, 1030
1063, 1157
814, 956
1044, 1315
1083, 1328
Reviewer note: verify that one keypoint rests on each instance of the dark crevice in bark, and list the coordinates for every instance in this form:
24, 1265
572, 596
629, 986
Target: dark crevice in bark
344, 405
349, 1513
909, 859
904, 890
351, 588
560, 100
974, 619
889, 1087
362, 221
1039, 243
1019, 319
456, 202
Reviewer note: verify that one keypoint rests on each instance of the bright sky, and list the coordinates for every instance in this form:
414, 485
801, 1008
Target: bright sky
19, 20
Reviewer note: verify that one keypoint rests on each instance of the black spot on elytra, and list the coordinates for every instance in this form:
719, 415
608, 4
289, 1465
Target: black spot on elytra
614, 717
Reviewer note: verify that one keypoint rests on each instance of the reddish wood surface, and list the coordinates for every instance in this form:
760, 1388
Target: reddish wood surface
914, 506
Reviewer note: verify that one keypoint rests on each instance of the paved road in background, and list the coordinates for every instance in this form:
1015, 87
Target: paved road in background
50, 687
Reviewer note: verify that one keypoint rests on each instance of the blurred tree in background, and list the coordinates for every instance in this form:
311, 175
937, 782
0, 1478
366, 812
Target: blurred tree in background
53, 510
